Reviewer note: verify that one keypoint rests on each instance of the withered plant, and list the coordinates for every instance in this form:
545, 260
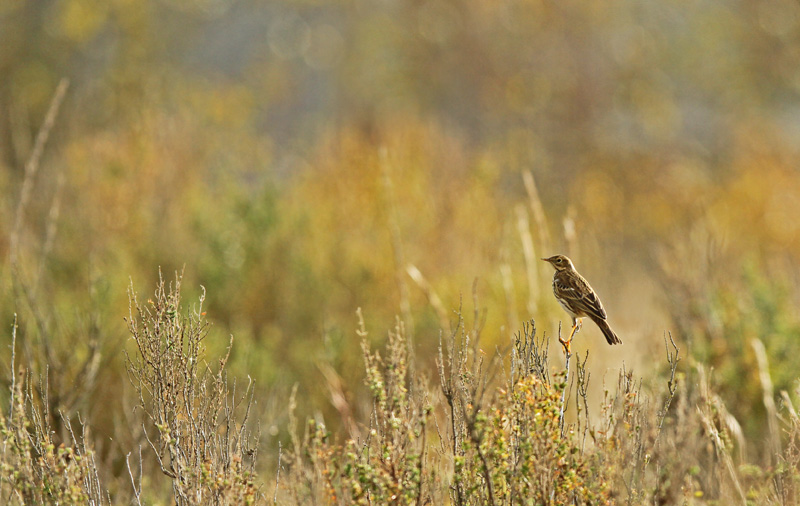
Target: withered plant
195, 422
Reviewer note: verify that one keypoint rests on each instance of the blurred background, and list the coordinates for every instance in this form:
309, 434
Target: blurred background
302, 159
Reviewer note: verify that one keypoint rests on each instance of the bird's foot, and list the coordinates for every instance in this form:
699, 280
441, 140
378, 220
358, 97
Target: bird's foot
565, 343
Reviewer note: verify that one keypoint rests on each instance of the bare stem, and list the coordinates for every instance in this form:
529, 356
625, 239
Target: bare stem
567, 356
278, 476
32, 166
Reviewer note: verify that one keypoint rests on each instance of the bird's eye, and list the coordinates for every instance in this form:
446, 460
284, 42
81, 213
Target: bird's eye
558, 260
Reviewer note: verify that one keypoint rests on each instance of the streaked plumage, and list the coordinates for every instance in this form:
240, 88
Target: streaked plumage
578, 298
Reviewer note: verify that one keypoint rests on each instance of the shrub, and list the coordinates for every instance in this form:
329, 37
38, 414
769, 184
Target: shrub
37, 464
194, 422
476, 441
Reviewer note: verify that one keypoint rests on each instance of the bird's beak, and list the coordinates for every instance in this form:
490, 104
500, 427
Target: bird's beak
546, 259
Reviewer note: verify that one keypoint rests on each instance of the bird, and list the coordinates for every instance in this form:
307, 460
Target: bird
578, 299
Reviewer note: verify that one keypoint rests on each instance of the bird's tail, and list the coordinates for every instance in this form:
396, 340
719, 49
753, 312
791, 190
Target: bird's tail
611, 337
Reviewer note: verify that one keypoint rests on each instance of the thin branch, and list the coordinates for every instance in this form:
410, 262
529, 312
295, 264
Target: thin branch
13, 371
673, 357
32, 166
563, 402
137, 491
278, 477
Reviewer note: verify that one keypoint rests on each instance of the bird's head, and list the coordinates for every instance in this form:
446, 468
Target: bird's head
560, 262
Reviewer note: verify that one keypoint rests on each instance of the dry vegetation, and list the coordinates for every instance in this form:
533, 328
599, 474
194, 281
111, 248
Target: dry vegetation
512, 429
483, 422
388, 156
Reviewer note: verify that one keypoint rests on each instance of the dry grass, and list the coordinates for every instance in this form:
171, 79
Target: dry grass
489, 430
293, 217
493, 432
41, 463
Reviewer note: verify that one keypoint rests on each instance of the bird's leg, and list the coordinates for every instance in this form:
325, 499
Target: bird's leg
576, 327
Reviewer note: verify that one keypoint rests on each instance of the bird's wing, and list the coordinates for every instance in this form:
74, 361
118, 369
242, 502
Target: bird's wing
577, 290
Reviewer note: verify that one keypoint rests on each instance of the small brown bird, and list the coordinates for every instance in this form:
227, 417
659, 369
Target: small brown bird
578, 299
